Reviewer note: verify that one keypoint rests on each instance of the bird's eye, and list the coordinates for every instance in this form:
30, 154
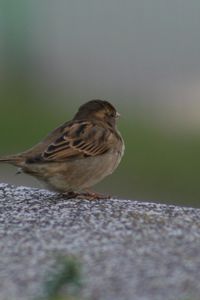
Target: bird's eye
114, 115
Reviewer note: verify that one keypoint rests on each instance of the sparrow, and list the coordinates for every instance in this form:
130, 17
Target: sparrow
78, 154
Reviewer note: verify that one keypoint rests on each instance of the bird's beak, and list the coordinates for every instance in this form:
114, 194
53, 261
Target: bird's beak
117, 115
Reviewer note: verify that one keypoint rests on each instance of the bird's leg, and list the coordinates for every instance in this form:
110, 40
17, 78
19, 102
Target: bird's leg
95, 196
70, 195
88, 195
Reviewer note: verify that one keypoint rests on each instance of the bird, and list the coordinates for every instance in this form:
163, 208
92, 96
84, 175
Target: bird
78, 154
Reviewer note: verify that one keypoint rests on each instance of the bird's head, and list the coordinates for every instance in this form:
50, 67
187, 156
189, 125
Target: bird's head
98, 109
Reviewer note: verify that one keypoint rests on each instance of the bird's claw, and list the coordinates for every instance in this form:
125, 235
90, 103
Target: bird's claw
86, 196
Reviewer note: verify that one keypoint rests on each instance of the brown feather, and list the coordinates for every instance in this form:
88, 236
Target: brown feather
77, 154
79, 139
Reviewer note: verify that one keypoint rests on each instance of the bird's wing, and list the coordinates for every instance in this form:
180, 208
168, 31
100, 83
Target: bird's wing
79, 139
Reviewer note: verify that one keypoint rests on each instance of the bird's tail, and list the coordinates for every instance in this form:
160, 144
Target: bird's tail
12, 159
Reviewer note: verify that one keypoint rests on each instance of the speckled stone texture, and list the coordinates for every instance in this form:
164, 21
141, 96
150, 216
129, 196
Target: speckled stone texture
129, 250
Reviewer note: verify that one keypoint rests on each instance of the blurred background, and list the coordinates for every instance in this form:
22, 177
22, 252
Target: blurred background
141, 55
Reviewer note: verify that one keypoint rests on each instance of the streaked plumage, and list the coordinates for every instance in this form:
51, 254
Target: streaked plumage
79, 153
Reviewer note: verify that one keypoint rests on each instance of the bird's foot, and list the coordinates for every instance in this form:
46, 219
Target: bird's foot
70, 195
94, 196
86, 195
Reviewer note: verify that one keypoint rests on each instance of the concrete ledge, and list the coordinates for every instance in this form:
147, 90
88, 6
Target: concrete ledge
128, 249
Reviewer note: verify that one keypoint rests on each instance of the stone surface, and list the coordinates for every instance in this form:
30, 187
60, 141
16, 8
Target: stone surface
129, 250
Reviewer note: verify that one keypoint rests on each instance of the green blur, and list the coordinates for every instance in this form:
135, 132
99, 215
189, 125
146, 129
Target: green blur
157, 165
